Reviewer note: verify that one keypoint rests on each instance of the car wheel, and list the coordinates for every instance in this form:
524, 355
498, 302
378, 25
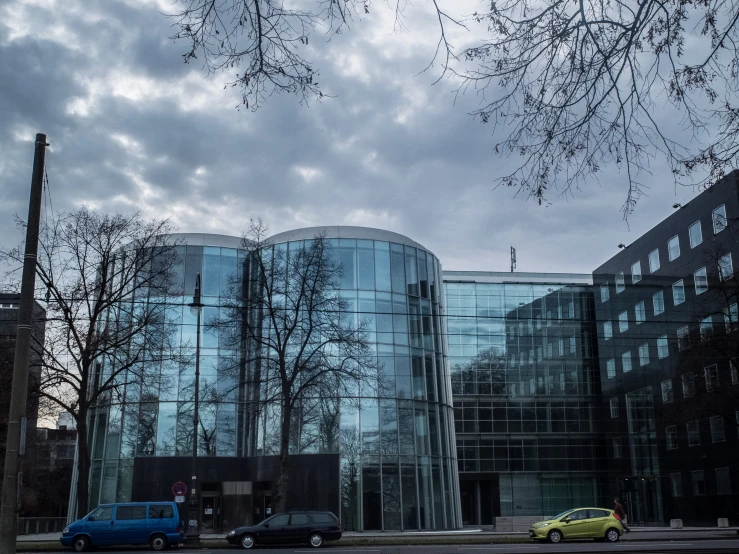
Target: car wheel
612, 535
81, 543
247, 541
316, 540
158, 542
555, 536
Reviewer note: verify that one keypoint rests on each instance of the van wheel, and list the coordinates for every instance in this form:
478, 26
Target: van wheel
158, 542
555, 536
612, 535
247, 541
316, 540
81, 543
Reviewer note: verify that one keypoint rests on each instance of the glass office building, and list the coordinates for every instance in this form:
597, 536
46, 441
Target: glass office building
525, 386
394, 465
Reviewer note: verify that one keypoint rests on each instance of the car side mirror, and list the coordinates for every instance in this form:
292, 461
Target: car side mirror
91, 518
568, 519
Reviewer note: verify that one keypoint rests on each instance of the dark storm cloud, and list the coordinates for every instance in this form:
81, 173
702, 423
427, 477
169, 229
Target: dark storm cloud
132, 127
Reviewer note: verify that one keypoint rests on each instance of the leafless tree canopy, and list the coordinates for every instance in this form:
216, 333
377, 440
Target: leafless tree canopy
304, 350
581, 84
106, 279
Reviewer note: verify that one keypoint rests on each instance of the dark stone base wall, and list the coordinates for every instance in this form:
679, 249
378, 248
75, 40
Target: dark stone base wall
314, 483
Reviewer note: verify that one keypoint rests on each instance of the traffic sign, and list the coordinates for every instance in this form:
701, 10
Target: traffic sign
179, 499
179, 488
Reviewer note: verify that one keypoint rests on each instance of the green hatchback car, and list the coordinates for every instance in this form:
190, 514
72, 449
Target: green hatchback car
581, 523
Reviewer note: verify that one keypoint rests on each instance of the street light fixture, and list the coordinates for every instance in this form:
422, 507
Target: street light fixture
193, 524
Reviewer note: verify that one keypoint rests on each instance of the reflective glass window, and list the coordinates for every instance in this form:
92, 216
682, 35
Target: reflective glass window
636, 272
640, 313
658, 303
620, 283
695, 233
678, 293
719, 219
725, 267
701, 281
654, 260
673, 248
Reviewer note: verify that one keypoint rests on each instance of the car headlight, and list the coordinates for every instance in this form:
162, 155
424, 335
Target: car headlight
542, 525
231, 533
66, 530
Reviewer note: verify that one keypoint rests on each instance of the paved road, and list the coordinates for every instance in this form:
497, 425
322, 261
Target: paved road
725, 546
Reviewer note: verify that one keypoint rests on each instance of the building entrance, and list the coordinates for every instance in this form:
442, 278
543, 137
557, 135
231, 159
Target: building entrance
480, 495
642, 499
210, 512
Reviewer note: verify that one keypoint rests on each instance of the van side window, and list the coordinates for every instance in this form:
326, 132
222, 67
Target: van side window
130, 512
161, 511
103, 514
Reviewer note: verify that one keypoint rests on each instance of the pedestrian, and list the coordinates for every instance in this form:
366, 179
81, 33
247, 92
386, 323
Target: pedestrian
620, 512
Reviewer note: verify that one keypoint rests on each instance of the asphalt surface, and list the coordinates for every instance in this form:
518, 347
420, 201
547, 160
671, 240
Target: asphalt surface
723, 546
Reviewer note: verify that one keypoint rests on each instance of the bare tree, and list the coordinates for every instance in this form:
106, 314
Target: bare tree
106, 279
580, 84
304, 350
263, 40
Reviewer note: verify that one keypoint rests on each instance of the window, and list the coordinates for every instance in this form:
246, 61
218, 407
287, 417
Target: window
706, 327
571, 309
620, 285
711, 375
699, 484
701, 281
323, 518
719, 219
573, 345
607, 330
667, 391
694, 436
614, 407
161, 511
717, 429
683, 338
723, 481
604, 296
678, 293
688, 385
696, 236
279, 520
731, 318
299, 519
662, 349
617, 451
611, 368
654, 260
734, 373
673, 248
561, 347
130, 512
103, 514
626, 361
643, 354
640, 313
636, 272
623, 322
671, 436
676, 484
658, 303
725, 267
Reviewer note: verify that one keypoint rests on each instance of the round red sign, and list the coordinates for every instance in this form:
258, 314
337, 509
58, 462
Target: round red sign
179, 488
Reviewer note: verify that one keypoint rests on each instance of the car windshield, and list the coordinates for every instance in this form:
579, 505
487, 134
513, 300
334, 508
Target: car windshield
563, 514
266, 520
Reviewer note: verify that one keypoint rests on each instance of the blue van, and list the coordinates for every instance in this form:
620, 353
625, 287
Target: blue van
157, 524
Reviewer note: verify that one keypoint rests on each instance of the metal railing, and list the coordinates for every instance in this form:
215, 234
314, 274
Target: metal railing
39, 525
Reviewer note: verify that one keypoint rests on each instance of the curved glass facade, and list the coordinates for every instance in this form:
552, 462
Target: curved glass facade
394, 439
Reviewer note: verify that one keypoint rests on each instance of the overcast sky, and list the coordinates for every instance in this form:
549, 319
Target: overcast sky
133, 128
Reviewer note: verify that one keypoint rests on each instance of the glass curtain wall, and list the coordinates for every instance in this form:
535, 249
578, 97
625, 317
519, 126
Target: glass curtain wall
153, 416
522, 373
397, 462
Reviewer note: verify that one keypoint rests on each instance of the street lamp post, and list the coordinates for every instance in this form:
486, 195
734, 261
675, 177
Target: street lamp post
193, 526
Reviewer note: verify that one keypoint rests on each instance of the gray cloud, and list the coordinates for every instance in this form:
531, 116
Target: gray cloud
132, 127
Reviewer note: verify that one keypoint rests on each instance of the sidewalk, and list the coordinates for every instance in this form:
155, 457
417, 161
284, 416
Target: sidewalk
464, 535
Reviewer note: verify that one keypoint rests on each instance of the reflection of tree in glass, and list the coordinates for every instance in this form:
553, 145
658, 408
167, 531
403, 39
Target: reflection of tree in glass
487, 367
350, 468
302, 343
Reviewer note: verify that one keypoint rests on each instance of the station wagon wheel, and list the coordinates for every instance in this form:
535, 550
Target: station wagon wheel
158, 542
316, 540
612, 535
247, 541
555, 536
81, 543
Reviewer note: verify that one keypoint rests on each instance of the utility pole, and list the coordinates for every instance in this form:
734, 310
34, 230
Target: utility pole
193, 523
10, 503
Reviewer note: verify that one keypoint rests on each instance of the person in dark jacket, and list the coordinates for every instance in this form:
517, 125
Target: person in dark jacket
620, 512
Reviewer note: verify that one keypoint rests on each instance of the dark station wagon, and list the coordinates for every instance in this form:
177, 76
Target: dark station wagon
312, 528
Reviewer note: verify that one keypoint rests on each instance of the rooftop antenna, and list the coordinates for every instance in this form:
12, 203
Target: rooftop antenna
513, 259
